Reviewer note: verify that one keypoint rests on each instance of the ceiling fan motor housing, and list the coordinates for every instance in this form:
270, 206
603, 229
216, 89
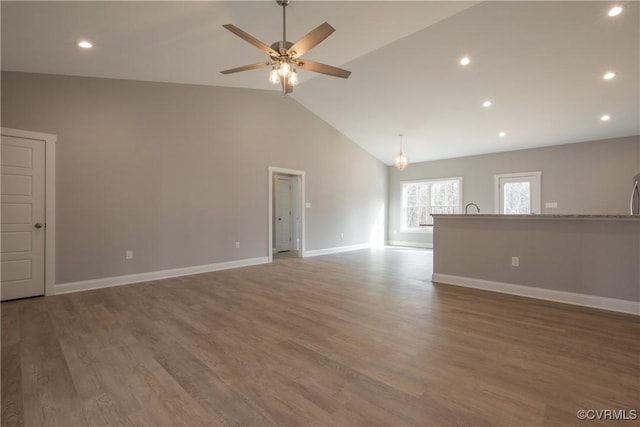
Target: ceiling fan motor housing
282, 47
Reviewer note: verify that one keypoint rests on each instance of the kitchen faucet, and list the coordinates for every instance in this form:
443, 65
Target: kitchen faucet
466, 208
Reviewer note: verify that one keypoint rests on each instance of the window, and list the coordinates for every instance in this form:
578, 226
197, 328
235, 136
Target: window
518, 193
516, 198
420, 199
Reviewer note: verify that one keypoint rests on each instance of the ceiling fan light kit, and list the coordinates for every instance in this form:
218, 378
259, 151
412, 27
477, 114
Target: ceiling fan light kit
286, 56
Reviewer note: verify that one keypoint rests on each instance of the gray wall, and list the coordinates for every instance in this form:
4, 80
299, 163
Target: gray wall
178, 173
585, 178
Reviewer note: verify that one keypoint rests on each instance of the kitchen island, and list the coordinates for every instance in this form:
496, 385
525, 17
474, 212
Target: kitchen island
591, 260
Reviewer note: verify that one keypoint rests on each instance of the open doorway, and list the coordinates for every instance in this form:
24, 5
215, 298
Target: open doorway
286, 213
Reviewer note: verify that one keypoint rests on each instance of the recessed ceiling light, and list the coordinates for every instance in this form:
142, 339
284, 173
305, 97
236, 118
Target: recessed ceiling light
465, 61
502, 134
605, 118
486, 103
85, 44
615, 11
609, 75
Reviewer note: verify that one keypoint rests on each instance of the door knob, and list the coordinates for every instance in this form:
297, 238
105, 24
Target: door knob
279, 219
38, 225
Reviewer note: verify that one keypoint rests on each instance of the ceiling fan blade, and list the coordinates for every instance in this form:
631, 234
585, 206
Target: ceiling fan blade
311, 40
250, 39
317, 67
246, 67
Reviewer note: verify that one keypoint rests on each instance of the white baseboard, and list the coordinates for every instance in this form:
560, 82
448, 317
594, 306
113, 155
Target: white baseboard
410, 244
604, 303
336, 250
106, 282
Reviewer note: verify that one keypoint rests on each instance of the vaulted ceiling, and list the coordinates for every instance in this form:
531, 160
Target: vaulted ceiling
541, 64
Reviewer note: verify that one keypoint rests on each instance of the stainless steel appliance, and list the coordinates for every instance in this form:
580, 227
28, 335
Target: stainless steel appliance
635, 196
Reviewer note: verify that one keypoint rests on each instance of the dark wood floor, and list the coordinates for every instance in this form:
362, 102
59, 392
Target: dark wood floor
359, 338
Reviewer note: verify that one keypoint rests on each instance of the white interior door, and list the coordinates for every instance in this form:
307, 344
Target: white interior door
518, 194
283, 213
22, 217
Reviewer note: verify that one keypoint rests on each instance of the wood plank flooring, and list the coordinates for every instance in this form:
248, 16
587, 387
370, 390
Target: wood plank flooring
359, 338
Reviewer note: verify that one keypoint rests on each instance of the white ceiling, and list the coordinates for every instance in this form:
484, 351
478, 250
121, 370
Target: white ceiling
541, 63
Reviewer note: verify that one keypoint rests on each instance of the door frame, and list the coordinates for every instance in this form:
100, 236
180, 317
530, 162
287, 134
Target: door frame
536, 193
49, 201
273, 170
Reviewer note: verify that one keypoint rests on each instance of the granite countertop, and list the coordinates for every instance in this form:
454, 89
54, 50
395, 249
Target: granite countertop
542, 217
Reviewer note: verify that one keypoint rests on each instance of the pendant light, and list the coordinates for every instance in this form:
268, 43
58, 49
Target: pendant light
401, 162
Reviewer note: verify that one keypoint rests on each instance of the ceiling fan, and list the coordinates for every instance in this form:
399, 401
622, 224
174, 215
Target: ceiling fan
286, 56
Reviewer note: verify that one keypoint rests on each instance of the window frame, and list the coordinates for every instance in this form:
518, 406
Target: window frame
536, 190
428, 229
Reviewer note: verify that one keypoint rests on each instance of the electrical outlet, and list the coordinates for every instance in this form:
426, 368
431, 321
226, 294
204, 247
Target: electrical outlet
551, 205
128, 255
237, 245
342, 235
515, 261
